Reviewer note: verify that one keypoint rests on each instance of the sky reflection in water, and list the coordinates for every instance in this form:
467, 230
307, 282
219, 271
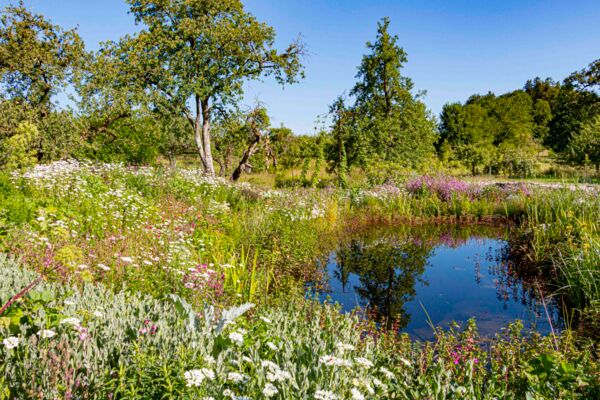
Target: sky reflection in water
453, 274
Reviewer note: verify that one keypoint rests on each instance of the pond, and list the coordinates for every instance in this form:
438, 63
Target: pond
416, 276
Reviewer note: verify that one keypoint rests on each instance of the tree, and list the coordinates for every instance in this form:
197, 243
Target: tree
200, 52
257, 122
584, 147
467, 130
37, 58
394, 125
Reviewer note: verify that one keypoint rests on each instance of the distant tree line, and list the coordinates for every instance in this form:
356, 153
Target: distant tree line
175, 87
504, 134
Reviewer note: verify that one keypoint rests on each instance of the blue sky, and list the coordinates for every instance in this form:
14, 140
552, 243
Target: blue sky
455, 47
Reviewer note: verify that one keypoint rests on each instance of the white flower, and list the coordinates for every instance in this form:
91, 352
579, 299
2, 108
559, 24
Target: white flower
69, 302
345, 347
356, 394
209, 360
98, 314
264, 319
46, 333
325, 395
378, 383
334, 361
103, 267
11, 342
195, 377
271, 345
235, 377
278, 376
363, 362
208, 398
270, 390
126, 259
228, 393
270, 365
237, 338
406, 362
71, 321
387, 373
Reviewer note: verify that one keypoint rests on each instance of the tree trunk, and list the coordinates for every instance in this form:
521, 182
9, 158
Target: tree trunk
247, 154
172, 162
209, 166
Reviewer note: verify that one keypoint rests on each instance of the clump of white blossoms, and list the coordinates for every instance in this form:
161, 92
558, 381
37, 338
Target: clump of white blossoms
363, 362
333, 361
356, 394
46, 333
237, 337
325, 395
71, 321
270, 390
235, 377
11, 342
195, 377
345, 347
387, 373
275, 373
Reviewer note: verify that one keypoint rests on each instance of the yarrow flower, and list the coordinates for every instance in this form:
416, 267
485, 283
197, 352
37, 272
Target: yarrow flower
235, 377
270, 390
344, 347
387, 373
237, 337
195, 377
356, 394
271, 345
363, 362
325, 395
335, 361
11, 342
71, 321
46, 333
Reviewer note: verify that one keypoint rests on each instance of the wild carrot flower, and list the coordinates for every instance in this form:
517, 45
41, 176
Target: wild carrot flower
270, 390
195, 377
46, 333
71, 321
11, 342
356, 394
325, 395
237, 337
363, 362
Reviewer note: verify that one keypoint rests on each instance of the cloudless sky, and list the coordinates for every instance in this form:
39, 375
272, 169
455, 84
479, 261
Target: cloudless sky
455, 47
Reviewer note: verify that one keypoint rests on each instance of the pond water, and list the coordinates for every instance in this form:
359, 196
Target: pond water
413, 276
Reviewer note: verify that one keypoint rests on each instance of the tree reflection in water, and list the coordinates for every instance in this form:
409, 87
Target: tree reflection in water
388, 272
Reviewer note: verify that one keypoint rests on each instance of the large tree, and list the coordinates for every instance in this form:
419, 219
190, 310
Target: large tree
395, 124
467, 130
196, 55
37, 58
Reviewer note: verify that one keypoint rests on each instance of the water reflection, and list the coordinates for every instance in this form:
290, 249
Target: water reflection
410, 276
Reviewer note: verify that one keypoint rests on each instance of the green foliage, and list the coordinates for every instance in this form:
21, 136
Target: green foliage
37, 56
584, 146
387, 121
16, 151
